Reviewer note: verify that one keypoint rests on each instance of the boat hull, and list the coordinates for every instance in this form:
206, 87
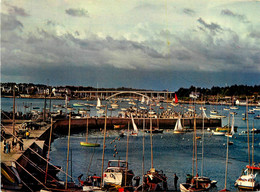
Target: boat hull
89, 144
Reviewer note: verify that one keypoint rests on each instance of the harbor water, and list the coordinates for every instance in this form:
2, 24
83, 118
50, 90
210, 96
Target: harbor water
172, 153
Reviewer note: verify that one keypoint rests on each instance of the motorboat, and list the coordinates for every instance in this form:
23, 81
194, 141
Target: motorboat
154, 130
198, 184
117, 173
249, 180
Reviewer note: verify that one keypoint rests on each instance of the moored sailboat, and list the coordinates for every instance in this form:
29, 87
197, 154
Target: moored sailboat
178, 127
86, 143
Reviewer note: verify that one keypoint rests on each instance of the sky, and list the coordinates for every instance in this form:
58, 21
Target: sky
149, 44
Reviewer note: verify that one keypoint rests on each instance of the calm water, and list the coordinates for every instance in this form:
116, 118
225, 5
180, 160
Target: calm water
172, 153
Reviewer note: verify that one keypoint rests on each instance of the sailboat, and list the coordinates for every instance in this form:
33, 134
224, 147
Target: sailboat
232, 132
153, 180
86, 143
98, 103
197, 183
178, 127
135, 131
249, 180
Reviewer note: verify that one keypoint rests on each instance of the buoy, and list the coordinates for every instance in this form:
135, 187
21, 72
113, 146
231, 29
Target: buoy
115, 146
116, 152
118, 139
111, 142
114, 155
114, 149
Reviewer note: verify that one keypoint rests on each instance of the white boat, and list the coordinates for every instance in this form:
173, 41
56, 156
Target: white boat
249, 180
100, 111
178, 127
114, 175
142, 107
218, 133
213, 112
233, 107
114, 106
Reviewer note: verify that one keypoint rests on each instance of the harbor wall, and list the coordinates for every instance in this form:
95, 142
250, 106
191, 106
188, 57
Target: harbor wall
164, 123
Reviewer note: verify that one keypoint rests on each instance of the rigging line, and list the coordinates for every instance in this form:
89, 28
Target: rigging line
37, 167
38, 154
5, 115
31, 175
91, 157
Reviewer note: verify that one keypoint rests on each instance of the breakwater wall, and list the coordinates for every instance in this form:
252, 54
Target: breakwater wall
164, 123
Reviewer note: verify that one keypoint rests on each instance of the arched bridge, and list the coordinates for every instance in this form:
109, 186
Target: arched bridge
128, 92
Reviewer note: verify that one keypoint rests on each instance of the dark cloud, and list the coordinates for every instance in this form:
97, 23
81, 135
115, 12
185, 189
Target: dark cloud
10, 22
213, 27
229, 13
189, 12
16, 11
77, 12
255, 34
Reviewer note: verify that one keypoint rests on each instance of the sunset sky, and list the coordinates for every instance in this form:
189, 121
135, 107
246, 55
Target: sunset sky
155, 44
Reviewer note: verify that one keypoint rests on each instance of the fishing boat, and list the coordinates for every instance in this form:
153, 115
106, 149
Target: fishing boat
117, 174
86, 143
178, 127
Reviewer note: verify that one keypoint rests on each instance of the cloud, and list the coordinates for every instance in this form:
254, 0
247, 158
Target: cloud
9, 23
14, 10
77, 12
229, 13
189, 12
213, 27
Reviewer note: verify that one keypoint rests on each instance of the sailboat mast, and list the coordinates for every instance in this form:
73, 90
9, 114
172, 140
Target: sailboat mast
226, 164
68, 152
253, 132
46, 172
202, 150
87, 131
248, 139
151, 138
104, 142
143, 150
13, 112
127, 142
